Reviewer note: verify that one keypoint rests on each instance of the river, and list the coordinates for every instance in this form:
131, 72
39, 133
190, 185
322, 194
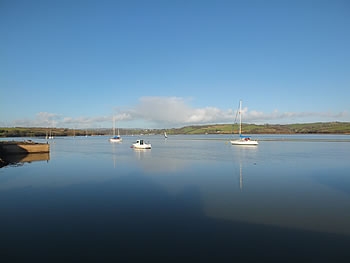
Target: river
189, 198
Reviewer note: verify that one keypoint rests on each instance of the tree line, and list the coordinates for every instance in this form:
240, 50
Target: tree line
305, 128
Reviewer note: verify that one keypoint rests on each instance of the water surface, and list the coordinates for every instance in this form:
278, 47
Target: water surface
193, 198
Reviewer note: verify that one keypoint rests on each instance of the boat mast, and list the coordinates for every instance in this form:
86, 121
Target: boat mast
113, 126
240, 117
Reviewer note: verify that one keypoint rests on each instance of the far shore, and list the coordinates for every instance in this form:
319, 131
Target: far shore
304, 128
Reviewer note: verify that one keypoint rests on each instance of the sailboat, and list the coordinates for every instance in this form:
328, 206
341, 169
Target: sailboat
165, 135
115, 138
50, 136
243, 140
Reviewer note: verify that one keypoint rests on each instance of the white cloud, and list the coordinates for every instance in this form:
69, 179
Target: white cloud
176, 111
167, 112
161, 109
42, 119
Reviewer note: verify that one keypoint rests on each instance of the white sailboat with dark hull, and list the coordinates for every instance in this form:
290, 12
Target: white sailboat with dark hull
243, 140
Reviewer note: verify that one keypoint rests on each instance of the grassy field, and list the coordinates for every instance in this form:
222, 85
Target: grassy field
323, 128
305, 128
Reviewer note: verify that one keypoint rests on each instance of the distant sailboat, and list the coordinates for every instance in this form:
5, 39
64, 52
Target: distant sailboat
50, 136
115, 138
165, 135
243, 140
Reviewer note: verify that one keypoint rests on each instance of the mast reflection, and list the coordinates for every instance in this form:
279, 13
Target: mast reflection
240, 176
245, 153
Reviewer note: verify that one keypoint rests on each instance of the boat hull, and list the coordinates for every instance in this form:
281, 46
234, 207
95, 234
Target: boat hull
115, 140
244, 142
137, 146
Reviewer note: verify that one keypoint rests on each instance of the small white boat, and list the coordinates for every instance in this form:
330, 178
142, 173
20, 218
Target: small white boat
165, 135
140, 144
115, 138
243, 140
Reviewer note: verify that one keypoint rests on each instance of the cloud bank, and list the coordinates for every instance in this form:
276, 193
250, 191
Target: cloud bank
175, 110
168, 112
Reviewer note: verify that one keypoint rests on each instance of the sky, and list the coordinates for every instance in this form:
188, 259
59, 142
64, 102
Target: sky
168, 64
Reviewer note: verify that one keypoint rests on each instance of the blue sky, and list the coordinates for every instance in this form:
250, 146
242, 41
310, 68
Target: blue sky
163, 64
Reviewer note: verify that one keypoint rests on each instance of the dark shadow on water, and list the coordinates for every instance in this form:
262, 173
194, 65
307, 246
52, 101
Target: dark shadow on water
132, 219
335, 180
20, 159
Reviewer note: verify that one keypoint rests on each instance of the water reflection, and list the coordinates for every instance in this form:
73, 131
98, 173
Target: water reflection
158, 162
114, 152
246, 155
281, 198
20, 159
141, 154
240, 176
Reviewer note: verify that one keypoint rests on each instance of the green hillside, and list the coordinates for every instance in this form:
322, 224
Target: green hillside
322, 128
305, 128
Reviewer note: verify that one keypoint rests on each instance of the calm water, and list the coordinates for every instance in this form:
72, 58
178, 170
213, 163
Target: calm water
189, 198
